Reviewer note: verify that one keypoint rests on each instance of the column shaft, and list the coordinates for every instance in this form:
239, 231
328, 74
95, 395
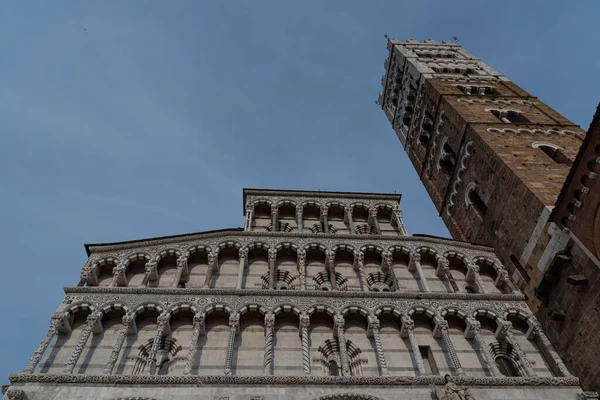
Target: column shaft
374, 330
331, 263
304, 325
55, 323
522, 355
302, 268
350, 221
299, 220
243, 257
268, 355
92, 319
415, 259
408, 326
339, 329
359, 258
475, 327
234, 324
151, 362
544, 343
212, 261
272, 261
116, 350
198, 328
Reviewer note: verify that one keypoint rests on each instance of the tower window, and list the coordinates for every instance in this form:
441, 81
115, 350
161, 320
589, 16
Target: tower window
509, 116
554, 152
447, 159
506, 366
477, 203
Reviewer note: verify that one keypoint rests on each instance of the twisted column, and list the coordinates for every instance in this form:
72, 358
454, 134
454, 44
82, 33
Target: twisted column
213, 257
505, 330
55, 323
197, 329
441, 329
373, 331
243, 252
162, 321
302, 268
234, 326
181, 268
90, 322
151, 268
359, 263
350, 220
474, 330
272, 261
407, 330
375, 222
269, 330
330, 261
116, 350
304, 325
338, 321
415, 264
542, 341
299, 220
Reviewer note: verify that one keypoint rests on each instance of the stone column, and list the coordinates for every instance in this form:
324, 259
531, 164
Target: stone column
304, 325
387, 259
249, 215
55, 323
119, 275
234, 326
473, 276
546, 347
324, 220
299, 220
197, 330
162, 321
401, 227
269, 331
441, 330
274, 218
443, 271
90, 323
330, 262
374, 221
181, 270
373, 331
338, 321
272, 261
243, 252
302, 268
415, 264
505, 331
407, 330
151, 272
213, 259
359, 264
116, 350
474, 331
503, 278
350, 220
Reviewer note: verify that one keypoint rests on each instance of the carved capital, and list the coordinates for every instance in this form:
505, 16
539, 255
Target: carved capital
15, 394
182, 261
243, 252
407, 323
269, 321
234, 321
338, 321
374, 323
272, 253
151, 266
304, 320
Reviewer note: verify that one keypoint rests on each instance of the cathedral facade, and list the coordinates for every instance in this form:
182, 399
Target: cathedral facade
321, 295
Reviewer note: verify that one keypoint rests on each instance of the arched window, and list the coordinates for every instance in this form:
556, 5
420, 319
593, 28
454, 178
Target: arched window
553, 151
447, 159
506, 366
476, 201
334, 370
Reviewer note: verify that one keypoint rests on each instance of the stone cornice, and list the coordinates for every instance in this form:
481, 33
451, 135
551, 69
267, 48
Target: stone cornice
287, 380
296, 293
321, 194
233, 233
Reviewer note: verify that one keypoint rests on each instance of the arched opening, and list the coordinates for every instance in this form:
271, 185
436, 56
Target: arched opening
105, 272
286, 215
181, 326
458, 276
360, 215
344, 265
447, 159
320, 330
197, 267
248, 354
136, 271
335, 217
363, 357
384, 220
286, 269
212, 346
531, 348
311, 214
137, 346
91, 360
429, 267
228, 268
477, 203
287, 346
258, 266
262, 216
167, 269
554, 152
430, 347
396, 348
406, 280
489, 275
334, 369
315, 264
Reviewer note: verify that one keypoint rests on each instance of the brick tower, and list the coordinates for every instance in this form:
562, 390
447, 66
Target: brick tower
495, 161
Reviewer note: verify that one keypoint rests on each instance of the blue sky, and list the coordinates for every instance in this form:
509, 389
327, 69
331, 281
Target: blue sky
124, 120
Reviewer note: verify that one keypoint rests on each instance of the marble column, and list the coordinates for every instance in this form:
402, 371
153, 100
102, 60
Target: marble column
162, 322
547, 349
350, 220
505, 331
304, 325
387, 260
474, 276
55, 323
441, 330
415, 264
213, 259
359, 264
299, 220
374, 220
474, 331
443, 271
272, 260
324, 220
330, 262
338, 322
119, 276
151, 272
400, 222
181, 270
243, 253
275, 219
268, 355
407, 330
249, 215
234, 326
302, 268
373, 332
197, 330
128, 323
85, 334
